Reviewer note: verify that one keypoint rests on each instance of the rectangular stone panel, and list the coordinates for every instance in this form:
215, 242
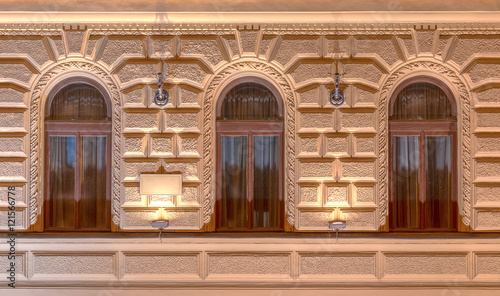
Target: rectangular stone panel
427, 265
487, 265
315, 220
19, 193
6, 219
134, 169
5, 262
180, 220
487, 170
12, 144
11, 120
316, 120
488, 120
9, 95
336, 144
74, 264
190, 196
360, 220
143, 121
164, 264
189, 169
9, 169
337, 194
364, 195
316, 170
340, 265
309, 145
309, 194
360, 170
249, 264
358, 120
182, 121
487, 219
488, 144
162, 145
487, 194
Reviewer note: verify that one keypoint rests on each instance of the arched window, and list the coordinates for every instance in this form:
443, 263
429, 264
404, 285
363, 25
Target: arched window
250, 160
422, 127
78, 136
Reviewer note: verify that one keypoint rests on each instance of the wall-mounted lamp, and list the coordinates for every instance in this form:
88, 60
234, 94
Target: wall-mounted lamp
161, 95
337, 95
160, 184
337, 224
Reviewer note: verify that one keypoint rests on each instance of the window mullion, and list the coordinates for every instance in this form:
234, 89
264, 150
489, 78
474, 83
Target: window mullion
250, 179
422, 185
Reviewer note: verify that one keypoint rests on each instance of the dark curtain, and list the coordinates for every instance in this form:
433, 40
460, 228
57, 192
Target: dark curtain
62, 182
266, 182
93, 201
234, 156
422, 101
78, 102
249, 101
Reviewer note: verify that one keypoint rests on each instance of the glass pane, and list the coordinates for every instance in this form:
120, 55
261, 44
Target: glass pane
234, 181
422, 101
93, 201
405, 179
438, 202
249, 101
62, 182
266, 182
78, 101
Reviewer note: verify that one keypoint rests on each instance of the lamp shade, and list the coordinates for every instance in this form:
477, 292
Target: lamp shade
161, 184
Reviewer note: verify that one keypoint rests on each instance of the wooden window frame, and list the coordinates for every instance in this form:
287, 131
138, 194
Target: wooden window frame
249, 129
78, 130
423, 129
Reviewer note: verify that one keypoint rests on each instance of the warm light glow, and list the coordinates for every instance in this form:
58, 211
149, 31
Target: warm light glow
161, 184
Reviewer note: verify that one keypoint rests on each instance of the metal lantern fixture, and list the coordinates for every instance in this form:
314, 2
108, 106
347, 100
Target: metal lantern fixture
161, 95
336, 95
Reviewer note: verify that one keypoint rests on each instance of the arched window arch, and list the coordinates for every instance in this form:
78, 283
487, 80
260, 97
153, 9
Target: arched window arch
249, 159
423, 157
78, 160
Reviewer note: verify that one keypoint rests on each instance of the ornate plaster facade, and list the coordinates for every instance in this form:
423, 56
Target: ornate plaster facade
336, 159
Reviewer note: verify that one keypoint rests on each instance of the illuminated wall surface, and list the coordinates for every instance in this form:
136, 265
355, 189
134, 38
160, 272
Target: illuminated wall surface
336, 160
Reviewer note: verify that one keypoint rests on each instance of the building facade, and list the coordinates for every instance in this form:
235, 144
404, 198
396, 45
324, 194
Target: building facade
335, 162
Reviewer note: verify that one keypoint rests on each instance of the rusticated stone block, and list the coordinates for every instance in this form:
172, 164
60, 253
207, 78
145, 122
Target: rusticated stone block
9, 95
365, 194
264, 44
488, 119
336, 195
309, 96
488, 169
364, 220
367, 72
91, 45
322, 120
382, 46
487, 144
468, 45
306, 72
59, 43
206, 47
431, 264
146, 121
314, 220
32, 46
291, 47
191, 72
11, 169
134, 97
4, 220
162, 200
15, 71
482, 71
139, 219
488, 220
11, 144
442, 42
251, 264
248, 40
134, 145
165, 264
358, 169
182, 121
189, 170
409, 44
183, 219
309, 194
118, 46
134, 169
309, 145
425, 39
190, 146
337, 264
74, 39
357, 120
488, 264
189, 97
316, 170
11, 120
73, 264
190, 196
365, 145
20, 194
162, 145
336, 45
19, 261
364, 96
487, 194
491, 95
336, 145
130, 72
233, 45
162, 46
132, 194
